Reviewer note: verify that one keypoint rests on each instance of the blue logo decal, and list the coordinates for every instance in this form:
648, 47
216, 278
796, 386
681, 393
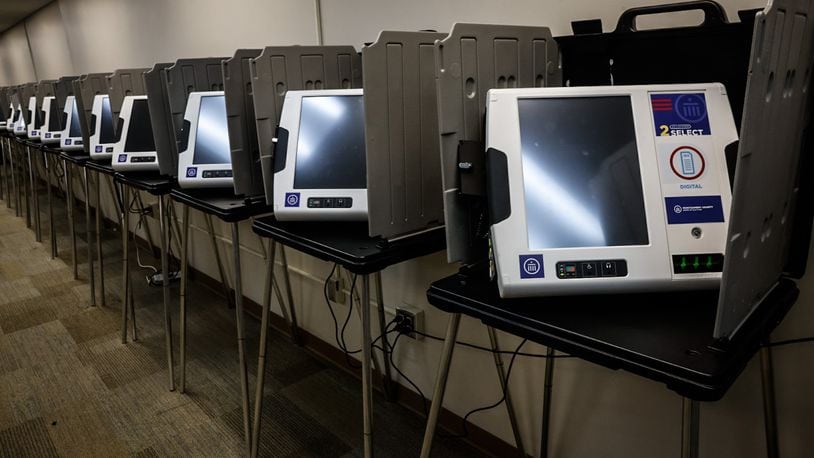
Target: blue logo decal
68, 141
98, 148
122, 158
192, 172
680, 114
292, 199
48, 135
531, 266
694, 209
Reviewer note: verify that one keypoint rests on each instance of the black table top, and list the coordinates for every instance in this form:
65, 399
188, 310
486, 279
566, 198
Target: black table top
101, 167
221, 203
78, 158
151, 182
348, 243
665, 337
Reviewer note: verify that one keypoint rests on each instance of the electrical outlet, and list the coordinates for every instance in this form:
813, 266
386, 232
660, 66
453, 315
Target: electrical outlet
336, 290
411, 320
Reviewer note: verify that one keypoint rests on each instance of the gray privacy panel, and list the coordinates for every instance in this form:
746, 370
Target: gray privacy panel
237, 86
62, 89
44, 89
121, 83
85, 89
471, 60
159, 113
401, 134
282, 68
187, 75
777, 111
4, 100
25, 93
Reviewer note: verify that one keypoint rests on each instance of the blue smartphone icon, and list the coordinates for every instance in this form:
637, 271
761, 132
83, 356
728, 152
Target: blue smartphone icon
687, 164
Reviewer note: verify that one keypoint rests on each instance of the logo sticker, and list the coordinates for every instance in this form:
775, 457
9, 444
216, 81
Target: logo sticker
694, 209
98, 148
48, 135
292, 199
531, 266
192, 172
68, 141
687, 162
680, 114
122, 158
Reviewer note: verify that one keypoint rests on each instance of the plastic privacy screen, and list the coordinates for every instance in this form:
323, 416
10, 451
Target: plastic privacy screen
401, 125
581, 190
282, 68
776, 120
122, 83
471, 60
331, 143
237, 86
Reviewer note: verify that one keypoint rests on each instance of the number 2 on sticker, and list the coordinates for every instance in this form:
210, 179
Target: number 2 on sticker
665, 131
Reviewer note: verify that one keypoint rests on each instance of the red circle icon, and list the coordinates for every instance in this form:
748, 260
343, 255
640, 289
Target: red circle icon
690, 165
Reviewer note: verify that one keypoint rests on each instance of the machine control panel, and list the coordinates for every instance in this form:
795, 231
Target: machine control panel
330, 202
592, 269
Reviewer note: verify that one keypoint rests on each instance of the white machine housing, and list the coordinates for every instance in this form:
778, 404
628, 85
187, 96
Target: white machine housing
34, 120
104, 136
9, 125
51, 130
71, 137
211, 130
314, 203
20, 128
679, 135
135, 150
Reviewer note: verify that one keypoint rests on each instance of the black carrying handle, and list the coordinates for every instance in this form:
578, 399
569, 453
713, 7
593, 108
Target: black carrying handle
713, 13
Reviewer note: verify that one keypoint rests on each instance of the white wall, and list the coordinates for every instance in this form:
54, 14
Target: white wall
49, 45
596, 411
16, 66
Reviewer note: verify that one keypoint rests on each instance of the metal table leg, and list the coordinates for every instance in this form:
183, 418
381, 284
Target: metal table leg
35, 195
15, 165
440, 383
689, 428
165, 287
183, 300
548, 384
69, 197
387, 380
25, 169
241, 331
88, 239
367, 374
125, 229
51, 223
261, 355
99, 257
293, 324
223, 281
769, 409
501, 375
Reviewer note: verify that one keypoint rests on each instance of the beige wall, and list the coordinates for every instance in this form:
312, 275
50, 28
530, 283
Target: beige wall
596, 411
16, 66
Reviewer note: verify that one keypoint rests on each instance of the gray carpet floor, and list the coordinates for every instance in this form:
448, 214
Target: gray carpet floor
69, 387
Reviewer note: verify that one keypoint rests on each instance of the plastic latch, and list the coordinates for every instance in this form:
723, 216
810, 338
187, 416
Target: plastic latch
472, 168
